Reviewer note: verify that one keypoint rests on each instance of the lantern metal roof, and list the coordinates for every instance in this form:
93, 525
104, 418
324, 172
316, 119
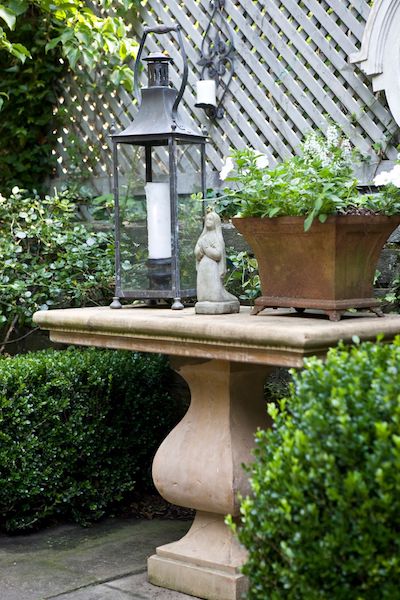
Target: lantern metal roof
159, 116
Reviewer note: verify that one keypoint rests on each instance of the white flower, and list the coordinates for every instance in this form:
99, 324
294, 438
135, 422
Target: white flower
227, 167
346, 148
387, 177
15, 190
395, 175
332, 136
382, 179
262, 161
314, 148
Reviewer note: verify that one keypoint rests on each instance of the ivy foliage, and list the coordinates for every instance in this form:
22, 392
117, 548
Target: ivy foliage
324, 520
27, 120
48, 259
78, 432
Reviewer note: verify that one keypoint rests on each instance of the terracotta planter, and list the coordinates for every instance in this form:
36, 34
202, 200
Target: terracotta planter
330, 267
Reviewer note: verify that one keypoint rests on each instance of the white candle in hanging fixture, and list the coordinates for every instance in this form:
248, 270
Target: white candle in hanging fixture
206, 93
158, 220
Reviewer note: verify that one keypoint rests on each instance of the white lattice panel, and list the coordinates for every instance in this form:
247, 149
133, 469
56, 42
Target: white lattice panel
292, 74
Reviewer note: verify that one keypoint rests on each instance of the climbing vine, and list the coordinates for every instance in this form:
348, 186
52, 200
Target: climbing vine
39, 42
27, 122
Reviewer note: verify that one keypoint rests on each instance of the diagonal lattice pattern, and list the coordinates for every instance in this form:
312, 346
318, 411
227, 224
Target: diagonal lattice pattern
292, 74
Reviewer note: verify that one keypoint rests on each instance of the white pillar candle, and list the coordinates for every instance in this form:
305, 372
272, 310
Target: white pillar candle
158, 220
206, 92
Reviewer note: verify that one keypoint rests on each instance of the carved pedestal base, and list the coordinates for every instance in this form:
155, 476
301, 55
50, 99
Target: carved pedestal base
199, 465
205, 562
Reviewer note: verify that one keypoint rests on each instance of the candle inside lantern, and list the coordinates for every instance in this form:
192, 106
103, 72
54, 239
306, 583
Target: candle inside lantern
206, 93
158, 220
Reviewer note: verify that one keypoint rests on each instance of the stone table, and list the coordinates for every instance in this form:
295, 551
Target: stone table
225, 360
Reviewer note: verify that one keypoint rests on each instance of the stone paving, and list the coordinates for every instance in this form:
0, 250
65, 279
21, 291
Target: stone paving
104, 562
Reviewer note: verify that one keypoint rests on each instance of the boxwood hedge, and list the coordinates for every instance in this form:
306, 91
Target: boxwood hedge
78, 429
324, 521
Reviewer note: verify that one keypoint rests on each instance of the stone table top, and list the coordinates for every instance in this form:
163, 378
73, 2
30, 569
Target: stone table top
280, 337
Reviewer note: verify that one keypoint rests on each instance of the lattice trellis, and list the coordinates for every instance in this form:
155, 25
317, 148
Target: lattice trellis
292, 74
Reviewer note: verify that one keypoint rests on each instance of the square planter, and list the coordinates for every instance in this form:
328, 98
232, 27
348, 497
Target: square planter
329, 267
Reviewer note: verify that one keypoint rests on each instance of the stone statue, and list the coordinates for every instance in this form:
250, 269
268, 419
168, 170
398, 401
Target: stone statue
213, 299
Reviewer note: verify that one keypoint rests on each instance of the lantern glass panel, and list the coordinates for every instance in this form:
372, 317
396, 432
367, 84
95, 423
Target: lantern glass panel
142, 244
190, 211
132, 218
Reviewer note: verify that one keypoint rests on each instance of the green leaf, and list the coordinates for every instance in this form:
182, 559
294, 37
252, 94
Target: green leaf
18, 7
21, 52
274, 211
84, 37
318, 205
308, 221
8, 16
53, 43
72, 54
123, 51
111, 43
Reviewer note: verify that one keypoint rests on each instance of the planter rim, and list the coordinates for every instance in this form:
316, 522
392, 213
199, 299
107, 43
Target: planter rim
330, 219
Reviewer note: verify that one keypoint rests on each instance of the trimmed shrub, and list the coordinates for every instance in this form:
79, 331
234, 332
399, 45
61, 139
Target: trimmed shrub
324, 521
78, 430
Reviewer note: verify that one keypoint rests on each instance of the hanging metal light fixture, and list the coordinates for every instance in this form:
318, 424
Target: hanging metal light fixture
217, 62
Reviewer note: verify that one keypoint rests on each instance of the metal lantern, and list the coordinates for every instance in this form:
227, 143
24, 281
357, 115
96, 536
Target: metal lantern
159, 163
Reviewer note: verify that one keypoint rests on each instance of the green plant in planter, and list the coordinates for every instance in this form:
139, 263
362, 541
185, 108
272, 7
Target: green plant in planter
316, 238
316, 184
324, 519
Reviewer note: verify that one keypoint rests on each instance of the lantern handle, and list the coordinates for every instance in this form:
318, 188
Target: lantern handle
159, 29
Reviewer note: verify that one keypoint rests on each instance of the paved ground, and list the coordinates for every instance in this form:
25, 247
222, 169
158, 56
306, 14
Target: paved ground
104, 562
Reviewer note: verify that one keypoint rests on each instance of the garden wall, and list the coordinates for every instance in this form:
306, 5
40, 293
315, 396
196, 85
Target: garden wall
292, 73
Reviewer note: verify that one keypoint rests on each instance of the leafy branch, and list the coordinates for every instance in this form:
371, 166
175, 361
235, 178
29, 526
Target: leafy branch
86, 36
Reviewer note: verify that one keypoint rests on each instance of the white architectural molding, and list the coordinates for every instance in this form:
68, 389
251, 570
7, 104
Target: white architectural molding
379, 56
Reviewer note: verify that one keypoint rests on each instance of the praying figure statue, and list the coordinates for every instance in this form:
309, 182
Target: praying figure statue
213, 299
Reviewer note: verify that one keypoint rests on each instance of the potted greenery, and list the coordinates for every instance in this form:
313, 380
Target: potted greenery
316, 237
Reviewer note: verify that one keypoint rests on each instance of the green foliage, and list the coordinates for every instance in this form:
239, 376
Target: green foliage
78, 431
315, 185
242, 279
325, 516
390, 180
47, 259
393, 296
39, 42
87, 35
27, 120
